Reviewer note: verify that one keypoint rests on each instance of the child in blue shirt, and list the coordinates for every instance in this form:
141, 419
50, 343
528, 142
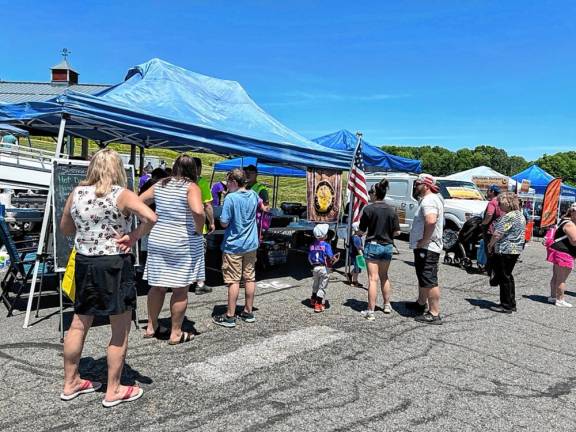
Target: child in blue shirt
321, 258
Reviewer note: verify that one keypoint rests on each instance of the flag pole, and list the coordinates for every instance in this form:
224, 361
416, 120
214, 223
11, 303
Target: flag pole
347, 244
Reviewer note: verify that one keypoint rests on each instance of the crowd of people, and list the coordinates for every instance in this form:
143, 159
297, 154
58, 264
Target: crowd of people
176, 210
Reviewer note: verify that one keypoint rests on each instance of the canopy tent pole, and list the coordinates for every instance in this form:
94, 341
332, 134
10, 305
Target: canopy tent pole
60, 141
212, 177
350, 211
132, 154
141, 170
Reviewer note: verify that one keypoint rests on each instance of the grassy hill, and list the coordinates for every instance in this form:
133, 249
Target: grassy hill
290, 189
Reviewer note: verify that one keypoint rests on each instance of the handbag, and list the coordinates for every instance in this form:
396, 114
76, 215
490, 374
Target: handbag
361, 262
69, 279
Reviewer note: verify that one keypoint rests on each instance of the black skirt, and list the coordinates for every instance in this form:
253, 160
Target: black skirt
104, 285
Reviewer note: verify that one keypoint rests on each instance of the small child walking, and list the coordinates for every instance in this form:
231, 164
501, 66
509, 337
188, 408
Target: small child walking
321, 259
356, 249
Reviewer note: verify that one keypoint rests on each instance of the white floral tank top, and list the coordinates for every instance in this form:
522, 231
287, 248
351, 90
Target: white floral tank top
96, 219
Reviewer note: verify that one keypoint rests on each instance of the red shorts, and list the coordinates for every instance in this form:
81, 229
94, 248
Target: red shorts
561, 259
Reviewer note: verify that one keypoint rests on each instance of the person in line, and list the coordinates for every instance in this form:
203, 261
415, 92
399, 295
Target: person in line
146, 175
380, 223
157, 175
506, 244
356, 249
321, 258
561, 254
99, 212
175, 247
218, 191
491, 215
426, 241
239, 247
252, 184
206, 194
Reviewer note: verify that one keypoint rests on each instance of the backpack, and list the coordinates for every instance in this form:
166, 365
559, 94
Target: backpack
551, 233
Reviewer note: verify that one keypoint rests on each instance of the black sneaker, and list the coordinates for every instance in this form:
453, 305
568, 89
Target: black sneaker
428, 318
247, 317
224, 320
203, 290
501, 309
417, 307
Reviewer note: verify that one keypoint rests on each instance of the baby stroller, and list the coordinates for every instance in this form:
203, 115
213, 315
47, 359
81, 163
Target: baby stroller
464, 251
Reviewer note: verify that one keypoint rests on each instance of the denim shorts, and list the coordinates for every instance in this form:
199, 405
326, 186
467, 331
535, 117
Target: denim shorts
378, 252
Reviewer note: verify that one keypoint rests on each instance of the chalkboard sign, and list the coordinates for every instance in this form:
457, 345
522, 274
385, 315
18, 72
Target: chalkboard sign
66, 175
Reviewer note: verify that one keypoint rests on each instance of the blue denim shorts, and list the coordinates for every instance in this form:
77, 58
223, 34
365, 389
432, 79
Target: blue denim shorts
378, 252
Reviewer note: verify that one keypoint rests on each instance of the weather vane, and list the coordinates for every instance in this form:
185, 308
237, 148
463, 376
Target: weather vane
65, 53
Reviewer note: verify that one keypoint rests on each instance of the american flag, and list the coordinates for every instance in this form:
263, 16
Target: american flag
357, 183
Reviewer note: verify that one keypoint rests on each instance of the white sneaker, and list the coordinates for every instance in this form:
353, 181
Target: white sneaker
368, 314
552, 300
563, 303
387, 309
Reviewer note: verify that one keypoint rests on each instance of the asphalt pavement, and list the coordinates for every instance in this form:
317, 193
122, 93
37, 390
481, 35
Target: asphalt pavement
294, 370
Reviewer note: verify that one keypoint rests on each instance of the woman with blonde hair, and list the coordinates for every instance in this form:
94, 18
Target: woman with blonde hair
99, 212
561, 253
175, 246
507, 244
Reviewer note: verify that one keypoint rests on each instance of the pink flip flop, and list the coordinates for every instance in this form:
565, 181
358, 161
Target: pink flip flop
127, 397
86, 387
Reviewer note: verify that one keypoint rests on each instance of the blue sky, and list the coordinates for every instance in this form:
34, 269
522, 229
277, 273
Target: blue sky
456, 73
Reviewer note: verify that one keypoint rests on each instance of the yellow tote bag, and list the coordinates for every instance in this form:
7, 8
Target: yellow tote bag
68, 281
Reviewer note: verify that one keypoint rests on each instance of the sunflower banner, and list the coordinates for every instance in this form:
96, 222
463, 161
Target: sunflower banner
324, 193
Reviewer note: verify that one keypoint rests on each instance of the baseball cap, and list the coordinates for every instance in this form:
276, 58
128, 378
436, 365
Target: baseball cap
428, 180
494, 188
321, 230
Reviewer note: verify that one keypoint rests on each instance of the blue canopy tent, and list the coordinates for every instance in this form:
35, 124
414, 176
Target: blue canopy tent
275, 171
375, 159
166, 106
263, 169
539, 180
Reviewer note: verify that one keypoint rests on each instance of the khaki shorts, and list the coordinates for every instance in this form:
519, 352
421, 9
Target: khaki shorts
236, 267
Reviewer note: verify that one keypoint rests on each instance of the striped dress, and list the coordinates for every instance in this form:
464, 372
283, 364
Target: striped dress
175, 251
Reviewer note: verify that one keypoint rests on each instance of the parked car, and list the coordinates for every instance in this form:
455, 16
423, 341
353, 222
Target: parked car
462, 201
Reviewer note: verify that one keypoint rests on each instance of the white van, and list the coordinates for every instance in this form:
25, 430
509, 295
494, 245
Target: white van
462, 200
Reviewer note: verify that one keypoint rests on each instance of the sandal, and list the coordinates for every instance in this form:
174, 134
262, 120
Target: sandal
87, 386
184, 337
128, 396
159, 333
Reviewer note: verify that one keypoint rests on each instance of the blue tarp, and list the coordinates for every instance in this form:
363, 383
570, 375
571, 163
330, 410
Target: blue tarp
163, 105
539, 179
375, 159
13, 130
263, 169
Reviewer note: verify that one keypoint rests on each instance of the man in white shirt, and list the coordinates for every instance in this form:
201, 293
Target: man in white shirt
426, 241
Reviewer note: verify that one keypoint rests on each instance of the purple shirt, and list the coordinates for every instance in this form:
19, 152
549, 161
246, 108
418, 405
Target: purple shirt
217, 191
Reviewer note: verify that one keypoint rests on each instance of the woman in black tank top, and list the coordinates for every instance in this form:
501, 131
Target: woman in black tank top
561, 254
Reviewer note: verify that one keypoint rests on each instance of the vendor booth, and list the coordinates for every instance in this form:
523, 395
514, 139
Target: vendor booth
160, 105
484, 176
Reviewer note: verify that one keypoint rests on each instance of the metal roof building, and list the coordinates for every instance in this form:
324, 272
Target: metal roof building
25, 91
63, 78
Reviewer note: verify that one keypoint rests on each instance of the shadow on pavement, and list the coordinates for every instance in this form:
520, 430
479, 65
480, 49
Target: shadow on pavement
97, 370
357, 305
482, 304
537, 298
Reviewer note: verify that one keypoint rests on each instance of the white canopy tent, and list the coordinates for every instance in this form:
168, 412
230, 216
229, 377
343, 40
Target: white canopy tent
484, 171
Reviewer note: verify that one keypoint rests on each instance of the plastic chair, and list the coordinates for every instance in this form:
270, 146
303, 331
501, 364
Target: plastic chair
22, 259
